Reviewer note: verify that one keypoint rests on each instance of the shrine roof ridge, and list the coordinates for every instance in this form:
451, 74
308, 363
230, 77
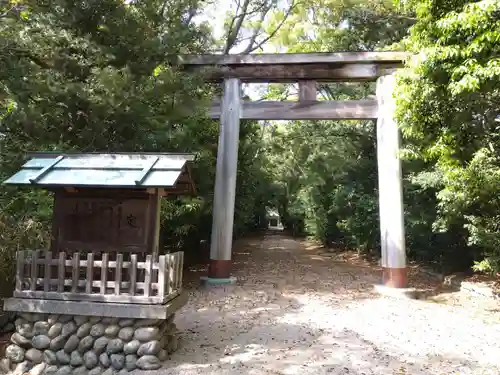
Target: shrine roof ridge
104, 170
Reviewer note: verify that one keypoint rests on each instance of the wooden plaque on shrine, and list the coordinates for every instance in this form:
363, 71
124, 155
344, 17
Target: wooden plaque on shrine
85, 221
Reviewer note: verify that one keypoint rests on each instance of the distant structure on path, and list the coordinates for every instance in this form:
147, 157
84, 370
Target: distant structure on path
273, 220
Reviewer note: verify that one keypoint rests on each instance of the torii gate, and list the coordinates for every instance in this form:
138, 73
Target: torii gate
306, 69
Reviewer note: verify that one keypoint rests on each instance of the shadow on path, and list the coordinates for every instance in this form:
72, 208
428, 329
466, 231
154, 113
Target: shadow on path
295, 310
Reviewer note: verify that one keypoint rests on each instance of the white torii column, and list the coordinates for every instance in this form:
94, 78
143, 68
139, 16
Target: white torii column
219, 268
390, 185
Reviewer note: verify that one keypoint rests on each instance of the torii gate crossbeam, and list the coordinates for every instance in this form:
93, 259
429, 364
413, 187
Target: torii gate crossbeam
307, 69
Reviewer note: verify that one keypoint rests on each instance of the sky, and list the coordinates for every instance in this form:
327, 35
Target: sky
214, 15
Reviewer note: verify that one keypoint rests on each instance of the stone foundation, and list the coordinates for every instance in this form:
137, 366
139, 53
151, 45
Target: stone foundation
7, 319
45, 344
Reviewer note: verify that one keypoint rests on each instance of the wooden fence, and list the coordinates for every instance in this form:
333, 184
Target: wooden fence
97, 278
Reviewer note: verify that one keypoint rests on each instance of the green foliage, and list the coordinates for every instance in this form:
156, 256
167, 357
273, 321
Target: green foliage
321, 191
91, 76
448, 110
327, 170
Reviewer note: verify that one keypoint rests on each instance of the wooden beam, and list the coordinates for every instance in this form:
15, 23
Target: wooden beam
294, 73
308, 110
119, 310
291, 67
307, 90
294, 58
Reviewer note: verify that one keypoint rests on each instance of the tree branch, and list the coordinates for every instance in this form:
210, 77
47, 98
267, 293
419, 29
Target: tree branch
6, 13
273, 33
257, 30
234, 29
239, 18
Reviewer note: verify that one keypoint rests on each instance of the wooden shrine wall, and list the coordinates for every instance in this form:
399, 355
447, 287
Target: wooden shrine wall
103, 221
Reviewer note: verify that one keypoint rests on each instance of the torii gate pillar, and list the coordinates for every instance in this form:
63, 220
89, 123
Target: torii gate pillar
219, 268
390, 186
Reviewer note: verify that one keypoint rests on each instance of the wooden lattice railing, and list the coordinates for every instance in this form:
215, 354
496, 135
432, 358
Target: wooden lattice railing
97, 278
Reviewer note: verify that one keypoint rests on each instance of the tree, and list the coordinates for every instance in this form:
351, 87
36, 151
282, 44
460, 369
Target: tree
448, 109
327, 169
93, 76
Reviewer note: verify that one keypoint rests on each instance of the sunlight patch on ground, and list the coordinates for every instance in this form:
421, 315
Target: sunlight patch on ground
297, 312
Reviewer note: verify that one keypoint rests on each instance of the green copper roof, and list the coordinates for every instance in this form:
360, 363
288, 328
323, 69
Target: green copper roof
119, 170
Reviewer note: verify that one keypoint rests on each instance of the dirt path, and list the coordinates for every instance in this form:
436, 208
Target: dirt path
297, 311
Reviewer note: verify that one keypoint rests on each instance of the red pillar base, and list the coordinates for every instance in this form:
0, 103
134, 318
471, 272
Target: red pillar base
395, 277
219, 269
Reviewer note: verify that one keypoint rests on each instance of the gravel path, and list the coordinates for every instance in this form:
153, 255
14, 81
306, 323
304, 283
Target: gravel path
295, 310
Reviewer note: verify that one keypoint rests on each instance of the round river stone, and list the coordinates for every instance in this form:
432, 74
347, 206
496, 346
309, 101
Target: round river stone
97, 330
147, 334
41, 328
71, 344
100, 344
41, 342
85, 344
20, 340
34, 355
114, 346
117, 361
149, 348
69, 328
126, 333
84, 330
76, 359
57, 343
15, 353
104, 360
90, 359
131, 362
63, 357
131, 347
55, 330
149, 362
112, 331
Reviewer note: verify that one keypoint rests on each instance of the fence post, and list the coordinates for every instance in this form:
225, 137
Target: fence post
34, 269
90, 273
118, 273
61, 268
104, 272
147, 278
181, 271
133, 273
161, 276
75, 272
19, 270
47, 271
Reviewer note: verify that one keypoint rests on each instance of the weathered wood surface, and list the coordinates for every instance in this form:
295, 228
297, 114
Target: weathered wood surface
118, 310
92, 219
305, 110
226, 172
291, 67
293, 73
307, 91
38, 276
390, 186
294, 58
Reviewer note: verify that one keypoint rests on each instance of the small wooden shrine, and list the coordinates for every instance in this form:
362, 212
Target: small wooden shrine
105, 235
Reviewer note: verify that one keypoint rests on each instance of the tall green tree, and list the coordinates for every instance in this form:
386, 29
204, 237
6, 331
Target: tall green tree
328, 179
448, 109
94, 76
